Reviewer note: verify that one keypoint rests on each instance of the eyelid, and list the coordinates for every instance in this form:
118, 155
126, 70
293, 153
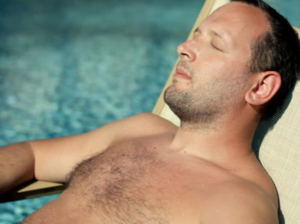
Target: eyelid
198, 32
214, 46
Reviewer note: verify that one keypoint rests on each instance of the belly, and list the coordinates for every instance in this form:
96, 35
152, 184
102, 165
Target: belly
129, 183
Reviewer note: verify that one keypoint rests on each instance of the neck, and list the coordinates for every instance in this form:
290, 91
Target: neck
224, 140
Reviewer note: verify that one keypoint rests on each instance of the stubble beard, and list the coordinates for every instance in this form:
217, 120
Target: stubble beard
204, 109
191, 111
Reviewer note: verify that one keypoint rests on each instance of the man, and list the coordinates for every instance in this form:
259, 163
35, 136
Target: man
143, 169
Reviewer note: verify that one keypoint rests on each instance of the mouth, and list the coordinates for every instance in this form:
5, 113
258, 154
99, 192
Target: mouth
181, 73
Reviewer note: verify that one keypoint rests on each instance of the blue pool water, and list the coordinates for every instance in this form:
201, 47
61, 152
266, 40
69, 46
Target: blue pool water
67, 67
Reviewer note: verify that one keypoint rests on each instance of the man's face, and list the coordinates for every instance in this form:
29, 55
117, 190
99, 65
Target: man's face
213, 72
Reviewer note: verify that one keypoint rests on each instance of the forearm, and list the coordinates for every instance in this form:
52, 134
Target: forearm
16, 165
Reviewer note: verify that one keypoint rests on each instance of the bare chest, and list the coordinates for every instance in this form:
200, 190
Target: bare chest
139, 180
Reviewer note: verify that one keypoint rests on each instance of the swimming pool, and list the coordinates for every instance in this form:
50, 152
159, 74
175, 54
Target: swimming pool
67, 67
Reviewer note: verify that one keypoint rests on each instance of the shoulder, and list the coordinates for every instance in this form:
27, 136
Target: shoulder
148, 123
136, 126
240, 203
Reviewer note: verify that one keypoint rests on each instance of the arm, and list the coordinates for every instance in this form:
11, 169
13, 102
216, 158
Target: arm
16, 166
53, 159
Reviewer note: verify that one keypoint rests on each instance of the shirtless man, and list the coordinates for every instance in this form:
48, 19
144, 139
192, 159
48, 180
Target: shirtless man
143, 169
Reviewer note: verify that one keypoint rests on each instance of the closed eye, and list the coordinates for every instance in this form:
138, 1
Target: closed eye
214, 46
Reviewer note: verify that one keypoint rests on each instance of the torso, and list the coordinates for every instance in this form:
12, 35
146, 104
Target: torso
140, 181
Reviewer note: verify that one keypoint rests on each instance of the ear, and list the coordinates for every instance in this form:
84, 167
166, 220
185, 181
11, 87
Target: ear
265, 86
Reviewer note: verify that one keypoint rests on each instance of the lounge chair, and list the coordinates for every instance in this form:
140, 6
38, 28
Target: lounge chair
276, 142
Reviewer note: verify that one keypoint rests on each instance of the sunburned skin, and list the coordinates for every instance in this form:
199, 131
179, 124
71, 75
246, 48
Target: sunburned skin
139, 181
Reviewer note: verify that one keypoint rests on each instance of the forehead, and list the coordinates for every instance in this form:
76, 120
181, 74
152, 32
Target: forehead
238, 21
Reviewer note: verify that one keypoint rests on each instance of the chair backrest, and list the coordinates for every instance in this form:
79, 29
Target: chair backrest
277, 142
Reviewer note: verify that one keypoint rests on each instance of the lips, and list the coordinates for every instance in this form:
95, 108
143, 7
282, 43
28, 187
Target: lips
181, 73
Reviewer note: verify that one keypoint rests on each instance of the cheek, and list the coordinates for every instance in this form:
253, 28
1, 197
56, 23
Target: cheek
210, 58
231, 68
221, 76
212, 66
209, 67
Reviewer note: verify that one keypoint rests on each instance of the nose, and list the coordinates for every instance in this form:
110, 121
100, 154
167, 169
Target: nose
186, 51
